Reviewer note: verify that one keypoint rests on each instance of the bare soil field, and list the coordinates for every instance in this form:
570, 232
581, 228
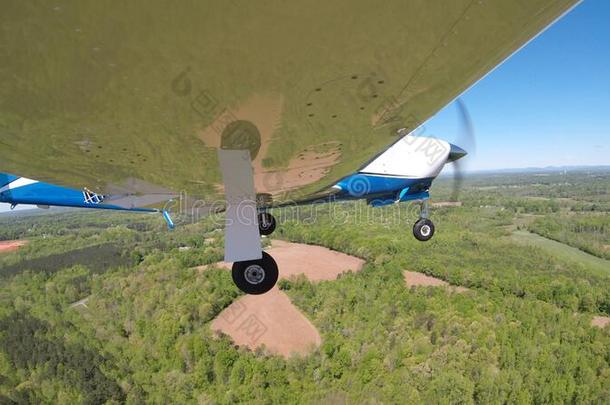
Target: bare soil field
600, 321
317, 263
11, 245
268, 320
271, 320
415, 279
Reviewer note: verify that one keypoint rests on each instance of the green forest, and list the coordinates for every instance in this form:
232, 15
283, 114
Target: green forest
102, 307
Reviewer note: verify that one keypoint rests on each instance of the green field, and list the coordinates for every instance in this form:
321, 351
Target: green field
563, 251
521, 334
589, 232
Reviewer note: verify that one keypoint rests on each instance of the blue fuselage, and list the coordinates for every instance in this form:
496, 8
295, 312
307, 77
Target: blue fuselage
20, 190
381, 190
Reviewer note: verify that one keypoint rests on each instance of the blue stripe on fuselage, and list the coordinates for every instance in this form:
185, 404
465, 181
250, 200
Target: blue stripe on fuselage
362, 185
6, 178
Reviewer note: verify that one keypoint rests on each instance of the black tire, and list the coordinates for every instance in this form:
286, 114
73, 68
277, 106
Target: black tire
423, 229
266, 223
248, 278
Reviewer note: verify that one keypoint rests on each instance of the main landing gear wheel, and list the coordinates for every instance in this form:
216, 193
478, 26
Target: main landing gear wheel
423, 229
255, 276
266, 223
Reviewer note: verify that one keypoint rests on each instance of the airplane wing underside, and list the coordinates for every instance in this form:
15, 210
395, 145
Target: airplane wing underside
111, 96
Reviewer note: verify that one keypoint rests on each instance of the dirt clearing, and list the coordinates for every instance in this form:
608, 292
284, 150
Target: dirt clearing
11, 245
415, 279
317, 263
600, 321
270, 319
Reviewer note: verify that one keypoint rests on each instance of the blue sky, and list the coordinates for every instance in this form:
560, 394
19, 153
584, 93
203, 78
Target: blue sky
549, 104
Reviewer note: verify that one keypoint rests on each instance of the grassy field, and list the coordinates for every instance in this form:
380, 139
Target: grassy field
563, 251
589, 232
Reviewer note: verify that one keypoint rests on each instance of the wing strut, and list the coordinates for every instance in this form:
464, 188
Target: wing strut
242, 238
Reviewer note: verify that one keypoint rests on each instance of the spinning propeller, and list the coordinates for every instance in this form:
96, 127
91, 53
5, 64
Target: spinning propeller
465, 139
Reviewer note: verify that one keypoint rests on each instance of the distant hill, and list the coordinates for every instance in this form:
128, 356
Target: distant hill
546, 169
535, 170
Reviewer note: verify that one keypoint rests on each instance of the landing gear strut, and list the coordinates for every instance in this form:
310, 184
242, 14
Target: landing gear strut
266, 223
423, 229
254, 271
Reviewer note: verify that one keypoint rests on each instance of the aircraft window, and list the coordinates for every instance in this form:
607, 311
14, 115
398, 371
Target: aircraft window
92, 198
